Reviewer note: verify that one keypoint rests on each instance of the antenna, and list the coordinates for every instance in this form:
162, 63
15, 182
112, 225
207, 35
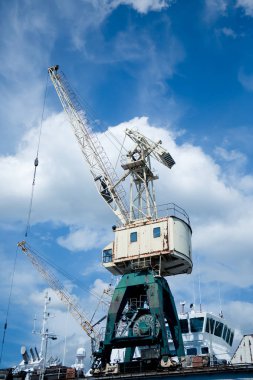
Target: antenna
220, 303
194, 294
199, 283
34, 324
182, 304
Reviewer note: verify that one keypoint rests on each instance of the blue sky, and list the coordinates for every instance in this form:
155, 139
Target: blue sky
180, 71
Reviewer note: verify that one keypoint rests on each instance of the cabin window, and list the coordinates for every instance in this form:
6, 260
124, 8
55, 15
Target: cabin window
196, 324
231, 338
224, 332
184, 326
210, 325
107, 255
156, 232
228, 336
204, 350
133, 237
218, 328
191, 351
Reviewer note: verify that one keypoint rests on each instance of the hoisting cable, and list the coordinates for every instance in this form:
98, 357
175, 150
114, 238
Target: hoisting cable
57, 269
36, 163
108, 132
8, 306
93, 120
122, 146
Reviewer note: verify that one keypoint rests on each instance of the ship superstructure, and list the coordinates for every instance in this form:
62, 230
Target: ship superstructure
33, 360
205, 333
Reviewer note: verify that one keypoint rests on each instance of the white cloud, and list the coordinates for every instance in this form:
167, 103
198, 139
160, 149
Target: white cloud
232, 155
246, 184
93, 16
234, 309
246, 5
25, 50
215, 9
84, 239
246, 80
144, 6
228, 32
233, 161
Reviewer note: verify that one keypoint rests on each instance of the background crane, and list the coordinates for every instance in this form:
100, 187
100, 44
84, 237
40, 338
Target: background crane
54, 283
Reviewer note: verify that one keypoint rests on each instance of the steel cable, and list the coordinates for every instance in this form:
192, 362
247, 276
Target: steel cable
36, 163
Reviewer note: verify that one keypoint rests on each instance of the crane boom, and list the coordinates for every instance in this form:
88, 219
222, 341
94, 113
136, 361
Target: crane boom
74, 309
155, 149
105, 177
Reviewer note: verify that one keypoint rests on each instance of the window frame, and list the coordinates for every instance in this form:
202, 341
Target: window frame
191, 351
155, 231
184, 326
133, 237
107, 255
196, 323
218, 329
204, 350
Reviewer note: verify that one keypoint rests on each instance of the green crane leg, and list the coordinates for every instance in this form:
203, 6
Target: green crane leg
160, 305
129, 354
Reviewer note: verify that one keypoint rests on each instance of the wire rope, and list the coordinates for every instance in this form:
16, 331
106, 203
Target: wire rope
36, 163
115, 138
122, 146
8, 305
64, 273
95, 121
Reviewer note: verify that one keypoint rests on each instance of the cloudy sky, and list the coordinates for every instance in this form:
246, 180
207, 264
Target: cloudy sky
177, 70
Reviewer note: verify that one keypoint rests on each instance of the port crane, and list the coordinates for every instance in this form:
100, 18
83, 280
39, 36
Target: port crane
147, 245
56, 285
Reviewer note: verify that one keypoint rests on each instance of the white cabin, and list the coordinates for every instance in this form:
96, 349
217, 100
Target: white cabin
163, 244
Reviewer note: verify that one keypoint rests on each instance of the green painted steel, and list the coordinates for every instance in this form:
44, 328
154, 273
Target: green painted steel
142, 307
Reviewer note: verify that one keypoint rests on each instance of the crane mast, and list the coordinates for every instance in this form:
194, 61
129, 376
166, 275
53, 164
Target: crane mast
105, 177
74, 309
138, 163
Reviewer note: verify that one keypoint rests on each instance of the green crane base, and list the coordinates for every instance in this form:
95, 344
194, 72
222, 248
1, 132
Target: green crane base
142, 311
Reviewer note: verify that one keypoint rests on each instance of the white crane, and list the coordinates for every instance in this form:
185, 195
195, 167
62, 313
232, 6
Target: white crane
105, 177
54, 283
137, 163
144, 238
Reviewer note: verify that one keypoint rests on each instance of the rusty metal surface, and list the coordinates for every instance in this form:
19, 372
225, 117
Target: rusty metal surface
225, 372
